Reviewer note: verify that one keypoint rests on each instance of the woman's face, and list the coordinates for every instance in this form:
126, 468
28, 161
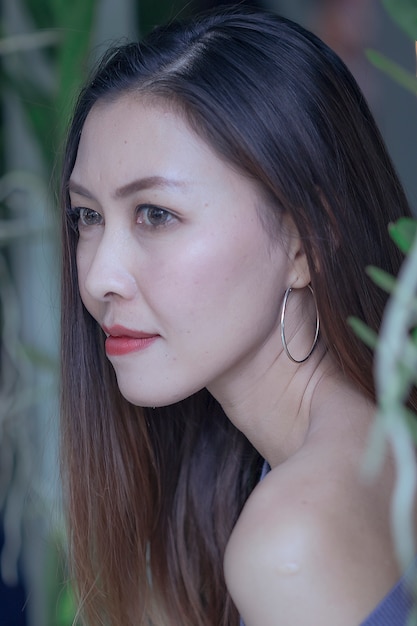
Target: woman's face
173, 260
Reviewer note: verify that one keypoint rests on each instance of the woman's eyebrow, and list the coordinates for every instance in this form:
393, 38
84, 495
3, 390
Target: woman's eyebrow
79, 189
148, 182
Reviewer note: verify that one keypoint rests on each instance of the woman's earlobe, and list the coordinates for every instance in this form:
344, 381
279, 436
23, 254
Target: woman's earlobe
300, 272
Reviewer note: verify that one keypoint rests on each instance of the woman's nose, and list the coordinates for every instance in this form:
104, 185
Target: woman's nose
109, 270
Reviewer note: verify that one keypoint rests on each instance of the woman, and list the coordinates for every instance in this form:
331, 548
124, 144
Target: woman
224, 188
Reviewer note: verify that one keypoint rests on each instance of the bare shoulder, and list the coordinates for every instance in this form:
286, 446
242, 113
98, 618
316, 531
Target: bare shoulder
312, 540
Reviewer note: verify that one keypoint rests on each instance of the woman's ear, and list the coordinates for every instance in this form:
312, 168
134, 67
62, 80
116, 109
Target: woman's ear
300, 272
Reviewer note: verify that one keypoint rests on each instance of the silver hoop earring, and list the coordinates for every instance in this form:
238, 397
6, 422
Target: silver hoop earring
316, 334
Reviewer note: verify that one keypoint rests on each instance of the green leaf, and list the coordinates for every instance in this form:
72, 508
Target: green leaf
403, 233
41, 12
411, 420
395, 71
381, 278
28, 42
404, 13
39, 111
38, 358
366, 334
76, 19
66, 607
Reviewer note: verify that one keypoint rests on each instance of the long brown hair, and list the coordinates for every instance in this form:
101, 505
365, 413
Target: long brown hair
152, 495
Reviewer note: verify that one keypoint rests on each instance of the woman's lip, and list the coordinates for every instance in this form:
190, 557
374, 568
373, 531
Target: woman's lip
121, 340
124, 344
121, 331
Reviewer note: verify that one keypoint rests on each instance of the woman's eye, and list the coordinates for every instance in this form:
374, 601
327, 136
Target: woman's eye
88, 217
153, 216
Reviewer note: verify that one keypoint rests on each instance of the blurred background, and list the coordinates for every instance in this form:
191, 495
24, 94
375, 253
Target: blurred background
46, 48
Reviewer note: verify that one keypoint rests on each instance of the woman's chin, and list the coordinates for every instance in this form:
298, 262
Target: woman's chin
151, 400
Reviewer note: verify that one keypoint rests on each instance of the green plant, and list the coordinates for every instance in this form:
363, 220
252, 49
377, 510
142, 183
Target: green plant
395, 374
46, 82
43, 47
396, 344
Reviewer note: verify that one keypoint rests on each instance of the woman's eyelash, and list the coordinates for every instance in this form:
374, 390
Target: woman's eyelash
83, 216
149, 216
89, 217
153, 216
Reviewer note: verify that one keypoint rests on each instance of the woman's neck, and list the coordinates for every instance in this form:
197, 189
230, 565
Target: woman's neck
273, 406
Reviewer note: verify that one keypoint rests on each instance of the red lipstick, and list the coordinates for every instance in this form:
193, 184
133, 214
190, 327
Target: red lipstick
122, 340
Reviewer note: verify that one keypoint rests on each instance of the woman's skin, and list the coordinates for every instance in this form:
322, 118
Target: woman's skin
174, 248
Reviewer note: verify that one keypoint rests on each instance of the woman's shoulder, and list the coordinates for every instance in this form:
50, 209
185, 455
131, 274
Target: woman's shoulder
311, 541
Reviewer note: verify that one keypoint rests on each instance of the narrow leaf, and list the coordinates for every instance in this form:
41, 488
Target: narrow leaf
381, 278
403, 233
392, 69
411, 421
38, 358
366, 334
404, 13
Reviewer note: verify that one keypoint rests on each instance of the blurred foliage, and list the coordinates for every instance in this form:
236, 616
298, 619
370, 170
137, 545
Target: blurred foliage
60, 598
66, 29
43, 52
404, 14
151, 13
396, 345
395, 376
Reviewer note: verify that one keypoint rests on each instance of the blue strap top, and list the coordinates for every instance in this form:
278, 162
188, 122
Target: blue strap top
395, 609
397, 606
